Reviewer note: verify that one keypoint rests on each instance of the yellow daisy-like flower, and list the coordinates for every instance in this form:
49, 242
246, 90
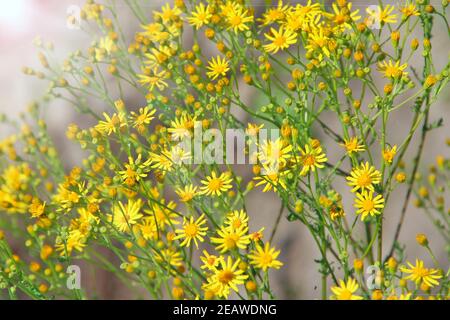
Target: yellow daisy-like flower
318, 40
187, 193
200, 16
274, 152
236, 219
126, 216
264, 258
352, 145
343, 16
111, 124
311, 158
368, 205
274, 14
192, 230
346, 291
227, 276
182, 127
231, 238
216, 185
167, 13
210, 261
153, 78
143, 118
409, 9
419, 274
280, 40
391, 70
217, 67
389, 154
149, 229
381, 15
170, 256
165, 161
272, 178
75, 240
134, 171
237, 19
364, 177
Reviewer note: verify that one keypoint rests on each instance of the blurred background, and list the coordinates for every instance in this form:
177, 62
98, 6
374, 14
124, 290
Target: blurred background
22, 20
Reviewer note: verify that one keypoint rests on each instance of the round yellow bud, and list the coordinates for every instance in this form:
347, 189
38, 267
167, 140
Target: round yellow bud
400, 177
358, 264
422, 239
251, 286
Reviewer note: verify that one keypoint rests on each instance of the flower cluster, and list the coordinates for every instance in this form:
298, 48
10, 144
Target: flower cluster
180, 225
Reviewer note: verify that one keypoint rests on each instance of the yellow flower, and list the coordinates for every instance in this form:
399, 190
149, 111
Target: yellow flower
352, 145
364, 177
236, 219
37, 208
200, 16
75, 241
272, 178
346, 291
182, 127
149, 229
419, 274
409, 9
126, 216
231, 238
217, 67
280, 40
143, 118
265, 258
317, 40
112, 124
368, 205
153, 78
311, 158
210, 262
389, 154
274, 14
167, 13
227, 276
170, 256
192, 230
237, 18
134, 171
274, 152
391, 70
187, 193
342, 16
215, 185
382, 15
168, 158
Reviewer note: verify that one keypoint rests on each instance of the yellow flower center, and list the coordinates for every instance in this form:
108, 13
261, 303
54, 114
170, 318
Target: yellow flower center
279, 41
230, 241
235, 21
237, 223
309, 160
345, 295
368, 205
191, 230
364, 180
215, 184
226, 276
211, 260
266, 259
